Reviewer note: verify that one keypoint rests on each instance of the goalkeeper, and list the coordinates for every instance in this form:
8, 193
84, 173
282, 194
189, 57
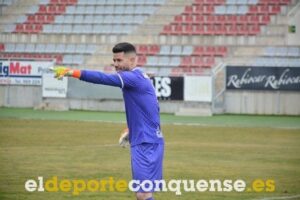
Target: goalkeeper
142, 112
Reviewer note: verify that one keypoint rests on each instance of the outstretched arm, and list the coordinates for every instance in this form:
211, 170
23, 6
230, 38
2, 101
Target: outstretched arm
101, 78
89, 76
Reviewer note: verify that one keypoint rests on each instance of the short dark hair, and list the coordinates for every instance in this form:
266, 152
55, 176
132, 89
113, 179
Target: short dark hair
124, 47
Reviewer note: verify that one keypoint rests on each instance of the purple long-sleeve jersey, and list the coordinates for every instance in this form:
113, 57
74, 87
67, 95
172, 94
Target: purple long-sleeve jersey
141, 104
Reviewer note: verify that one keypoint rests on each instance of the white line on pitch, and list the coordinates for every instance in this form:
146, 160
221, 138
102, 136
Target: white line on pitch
279, 198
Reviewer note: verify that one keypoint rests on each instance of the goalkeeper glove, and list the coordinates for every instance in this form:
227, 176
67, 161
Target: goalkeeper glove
124, 138
61, 71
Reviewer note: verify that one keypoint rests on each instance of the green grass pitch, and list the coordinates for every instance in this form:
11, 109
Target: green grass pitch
83, 145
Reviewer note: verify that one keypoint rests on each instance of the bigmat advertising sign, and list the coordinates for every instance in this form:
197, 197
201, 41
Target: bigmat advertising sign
263, 78
22, 72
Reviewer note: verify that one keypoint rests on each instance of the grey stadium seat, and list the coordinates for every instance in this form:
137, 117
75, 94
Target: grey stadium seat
129, 10
9, 28
99, 10
71, 48
80, 48
78, 59
68, 19
77, 29
152, 61
165, 50
88, 28
139, 19
68, 59
30, 48
71, 10
90, 10
21, 19
47, 28
108, 19
253, 2
59, 19
97, 29
98, 19
109, 10
33, 9
242, 10
128, 19
294, 51
231, 10
44, 2
20, 47
60, 48
10, 47
164, 61
176, 50
40, 48
118, 19
88, 19
80, 10
67, 28
119, 10
175, 61
187, 50
78, 19
50, 48
220, 10
231, 2
91, 48
242, 2
57, 28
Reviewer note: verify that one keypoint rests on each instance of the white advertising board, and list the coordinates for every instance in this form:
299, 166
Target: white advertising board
22, 72
198, 88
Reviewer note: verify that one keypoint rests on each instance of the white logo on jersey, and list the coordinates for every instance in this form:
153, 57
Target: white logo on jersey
146, 75
159, 133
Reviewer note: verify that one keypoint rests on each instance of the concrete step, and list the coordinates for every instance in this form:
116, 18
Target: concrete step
275, 30
99, 60
248, 51
239, 61
164, 15
12, 12
194, 111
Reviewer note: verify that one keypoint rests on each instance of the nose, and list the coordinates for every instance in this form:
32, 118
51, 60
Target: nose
116, 63
116, 66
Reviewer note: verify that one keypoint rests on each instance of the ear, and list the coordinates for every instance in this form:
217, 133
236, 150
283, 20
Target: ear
133, 59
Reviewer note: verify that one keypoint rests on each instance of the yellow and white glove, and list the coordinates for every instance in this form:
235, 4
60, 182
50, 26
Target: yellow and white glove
61, 71
124, 138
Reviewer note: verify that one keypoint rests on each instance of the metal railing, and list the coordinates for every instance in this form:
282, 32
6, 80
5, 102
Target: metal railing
294, 10
218, 93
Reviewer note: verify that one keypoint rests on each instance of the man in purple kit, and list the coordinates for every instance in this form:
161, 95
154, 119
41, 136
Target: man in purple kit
142, 112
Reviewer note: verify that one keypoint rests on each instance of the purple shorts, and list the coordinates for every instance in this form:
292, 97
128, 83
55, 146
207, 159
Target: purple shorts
147, 163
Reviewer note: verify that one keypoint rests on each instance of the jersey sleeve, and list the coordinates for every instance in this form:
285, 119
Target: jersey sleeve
128, 78
101, 78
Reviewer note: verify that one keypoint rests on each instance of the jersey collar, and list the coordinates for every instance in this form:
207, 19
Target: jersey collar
136, 68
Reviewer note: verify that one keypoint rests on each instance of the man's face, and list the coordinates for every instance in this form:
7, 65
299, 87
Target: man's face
123, 62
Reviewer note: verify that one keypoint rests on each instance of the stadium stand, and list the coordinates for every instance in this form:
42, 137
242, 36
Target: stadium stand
224, 17
172, 37
108, 17
5, 3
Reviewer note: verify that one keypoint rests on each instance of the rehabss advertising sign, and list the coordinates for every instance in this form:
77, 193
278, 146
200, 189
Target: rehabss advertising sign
263, 78
22, 72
